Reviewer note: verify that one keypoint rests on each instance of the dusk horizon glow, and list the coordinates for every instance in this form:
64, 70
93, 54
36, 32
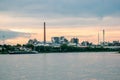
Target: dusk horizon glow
21, 20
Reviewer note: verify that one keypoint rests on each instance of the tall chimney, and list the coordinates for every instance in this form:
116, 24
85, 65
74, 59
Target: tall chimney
44, 32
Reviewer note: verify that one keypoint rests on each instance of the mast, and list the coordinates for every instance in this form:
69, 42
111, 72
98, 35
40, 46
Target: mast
103, 37
98, 39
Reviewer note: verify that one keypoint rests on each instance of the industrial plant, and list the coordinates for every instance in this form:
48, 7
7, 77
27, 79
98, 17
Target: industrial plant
57, 41
60, 44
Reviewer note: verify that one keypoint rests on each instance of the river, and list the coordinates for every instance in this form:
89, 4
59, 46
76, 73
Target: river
61, 66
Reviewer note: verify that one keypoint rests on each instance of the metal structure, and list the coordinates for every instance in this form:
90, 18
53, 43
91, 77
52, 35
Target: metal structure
98, 39
103, 37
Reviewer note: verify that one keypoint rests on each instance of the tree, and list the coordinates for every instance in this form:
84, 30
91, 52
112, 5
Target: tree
29, 46
64, 47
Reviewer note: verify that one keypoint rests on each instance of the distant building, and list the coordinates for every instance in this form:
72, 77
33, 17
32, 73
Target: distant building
106, 44
55, 40
116, 43
63, 40
73, 44
74, 40
59, 40
35, 42
86, 43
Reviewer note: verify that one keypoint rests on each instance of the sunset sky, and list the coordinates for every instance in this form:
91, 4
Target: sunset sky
21, 20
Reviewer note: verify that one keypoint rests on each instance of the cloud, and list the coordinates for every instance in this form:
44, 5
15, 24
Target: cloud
56, 8
7, 34
26, 23
60, 13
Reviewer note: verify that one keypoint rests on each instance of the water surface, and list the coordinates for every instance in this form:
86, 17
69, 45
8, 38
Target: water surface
60, 66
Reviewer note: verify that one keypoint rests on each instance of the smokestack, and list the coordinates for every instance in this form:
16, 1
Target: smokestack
103, 37
44, 32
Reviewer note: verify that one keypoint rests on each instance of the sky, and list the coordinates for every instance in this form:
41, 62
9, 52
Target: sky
21, 20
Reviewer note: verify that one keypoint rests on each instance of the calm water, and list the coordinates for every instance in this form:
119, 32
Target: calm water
62, 66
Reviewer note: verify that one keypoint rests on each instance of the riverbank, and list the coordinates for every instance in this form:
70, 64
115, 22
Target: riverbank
49, 49
2, 53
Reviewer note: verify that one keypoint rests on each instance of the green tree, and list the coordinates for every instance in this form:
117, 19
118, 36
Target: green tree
64, 47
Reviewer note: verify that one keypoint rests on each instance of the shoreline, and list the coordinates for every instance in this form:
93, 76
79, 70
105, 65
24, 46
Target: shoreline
62, 52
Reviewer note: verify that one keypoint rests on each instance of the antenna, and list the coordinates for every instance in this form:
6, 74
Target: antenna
103, 37
98, 39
